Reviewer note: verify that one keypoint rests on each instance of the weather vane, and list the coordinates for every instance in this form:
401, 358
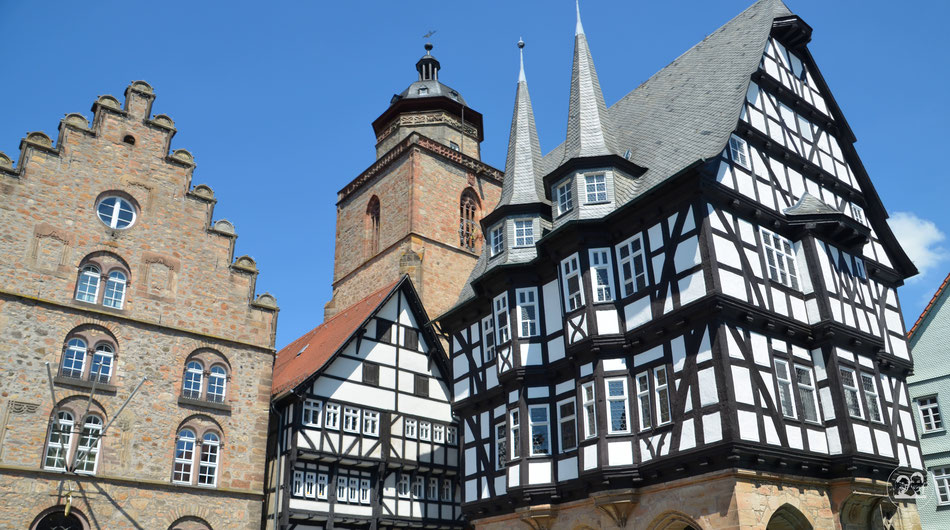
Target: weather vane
431, 33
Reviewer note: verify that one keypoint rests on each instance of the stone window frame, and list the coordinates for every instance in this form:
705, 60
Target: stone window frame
106, 263
125, 196
201, 427
93, 337
209, 359
372, 225
80, 409
469, 208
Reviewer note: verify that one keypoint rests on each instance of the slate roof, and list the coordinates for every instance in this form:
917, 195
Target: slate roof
685, 112
810, 205
435, 89
304, 356
930, 306
522, 183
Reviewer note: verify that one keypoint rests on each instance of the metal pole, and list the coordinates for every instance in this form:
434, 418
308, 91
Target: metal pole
49, 377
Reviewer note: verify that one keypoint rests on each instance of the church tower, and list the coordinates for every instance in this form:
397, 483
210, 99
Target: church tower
417, 208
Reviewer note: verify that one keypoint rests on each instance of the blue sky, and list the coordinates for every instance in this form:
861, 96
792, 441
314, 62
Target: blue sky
275, 99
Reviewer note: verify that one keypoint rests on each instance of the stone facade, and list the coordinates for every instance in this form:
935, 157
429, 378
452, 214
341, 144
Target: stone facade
185, 299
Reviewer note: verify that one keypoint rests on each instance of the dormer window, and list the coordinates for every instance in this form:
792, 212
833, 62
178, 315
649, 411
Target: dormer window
596, 186
423, 91
455, 146
497, 237
739, 150
564, 197
524, 233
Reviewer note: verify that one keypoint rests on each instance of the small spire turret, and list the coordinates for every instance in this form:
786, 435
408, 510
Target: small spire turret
521, 184
428, 66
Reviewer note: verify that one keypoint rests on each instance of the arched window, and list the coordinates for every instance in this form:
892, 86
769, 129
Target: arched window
184, 457
208, 468
87, 451
101, 369
217, 383
55, 518
115, 290
372, 226
74, 359
194, 373
468, 226
87, 288
59, 440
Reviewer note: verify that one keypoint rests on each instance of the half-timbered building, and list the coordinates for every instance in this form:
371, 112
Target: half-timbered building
362, 426
686, 314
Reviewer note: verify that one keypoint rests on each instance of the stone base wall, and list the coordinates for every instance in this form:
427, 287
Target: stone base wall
731, 499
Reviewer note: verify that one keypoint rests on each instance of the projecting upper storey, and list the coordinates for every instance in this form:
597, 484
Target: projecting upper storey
106, 219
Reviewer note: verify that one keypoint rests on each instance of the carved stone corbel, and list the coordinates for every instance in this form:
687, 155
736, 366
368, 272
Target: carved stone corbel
539, 517
617, 504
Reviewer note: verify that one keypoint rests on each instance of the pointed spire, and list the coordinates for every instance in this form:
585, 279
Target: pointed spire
521, 184
589, 132
579, 30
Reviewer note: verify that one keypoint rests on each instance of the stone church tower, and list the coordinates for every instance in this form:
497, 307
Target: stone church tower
416, 209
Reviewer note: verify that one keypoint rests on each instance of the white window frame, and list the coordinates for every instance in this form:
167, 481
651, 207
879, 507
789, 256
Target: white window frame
589, 402
564, 196
58, 451
342, 488
433, 489
187, 462
942, 485
739, 151
331, 418
370, 423
402, 486
410, 428
446, 490
542, 425
310, 490
351, 420
87, 288
570, 268
451, 436
527, 308
630, 282
524, 232
323, 481
112, 220
858, 214
438, 433
514, 434
660, 390
807, 389
488, 339
859, 269
785, 389
870, 394
297, 490
610, 399
208, 460
571, 427
930, 418
502, 332
852, 390
602, 284
101, 368
501, 440
785, 262
425, 431
418, 488
365, 491
194, 371
217, 384
114, 296
75, 355
496, 239
353, 491
87, 448
593, 196
644, 406
312, 412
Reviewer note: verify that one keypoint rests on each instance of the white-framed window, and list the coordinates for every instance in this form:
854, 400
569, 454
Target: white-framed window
527, 312
364, 491
786, 398
488, 338
524, 232
59, 441
514, 421
217, 384
780, 258
601, 274
451, 436
194, 374
184, 457
115, 290
311, 412
87, 452
425, 431
858, 213
661, 390
418, 488
87, 289
323, 480
739, 151
208, 465
438, 433
564, 197
571, 282
297, 490
502, 334
643, 401
116, 212
497, 239
402, 487
617, 407
540, 428
596, 188
567, 425
633, 269
341, 483
411, 428
871, 397
588, 395
446, 490
101, 369
433, 489
851, 397
353, 495
807, 393
930, 419
331, 419
351, 419
311, 485
74, 359
942, 484
371, 423
501, 446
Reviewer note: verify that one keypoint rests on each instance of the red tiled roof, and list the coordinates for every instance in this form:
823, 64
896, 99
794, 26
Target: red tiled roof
304, 356
927, 309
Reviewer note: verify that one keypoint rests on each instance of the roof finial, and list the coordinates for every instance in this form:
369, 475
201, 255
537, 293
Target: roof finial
521, 77
428, 48
580, 27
